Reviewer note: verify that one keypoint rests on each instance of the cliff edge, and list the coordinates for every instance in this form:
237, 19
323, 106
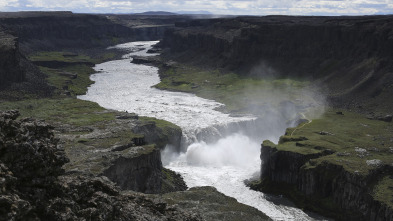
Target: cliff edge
10, 70
339, 165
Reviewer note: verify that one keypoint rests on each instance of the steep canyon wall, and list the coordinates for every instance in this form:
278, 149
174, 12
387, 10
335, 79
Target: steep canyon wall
350, 56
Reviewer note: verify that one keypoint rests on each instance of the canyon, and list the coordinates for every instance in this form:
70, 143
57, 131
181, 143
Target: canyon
344, 60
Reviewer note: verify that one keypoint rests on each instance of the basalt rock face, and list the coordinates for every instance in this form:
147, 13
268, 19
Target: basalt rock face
304, 42
33, 185
348, 55
142, 173
153, 134
16, 72
348, 194
10, 70
126, 150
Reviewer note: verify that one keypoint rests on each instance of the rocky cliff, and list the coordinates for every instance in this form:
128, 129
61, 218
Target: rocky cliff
139, 173
348, 177
17, 74
322, 48
10, 69
126, 150
341, 194
33, 184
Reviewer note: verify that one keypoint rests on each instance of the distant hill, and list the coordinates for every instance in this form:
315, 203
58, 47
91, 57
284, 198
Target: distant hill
156, 13
194, 12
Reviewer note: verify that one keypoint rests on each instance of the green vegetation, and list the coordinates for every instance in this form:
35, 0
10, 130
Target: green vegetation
71, 76
165, 125
354, 139
68, 57
383, 191
239, 94
64, 111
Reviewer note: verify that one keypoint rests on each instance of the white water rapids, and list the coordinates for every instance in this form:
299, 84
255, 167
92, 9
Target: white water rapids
224, 164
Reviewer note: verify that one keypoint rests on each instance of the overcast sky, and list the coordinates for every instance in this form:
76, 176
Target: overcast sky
235, 7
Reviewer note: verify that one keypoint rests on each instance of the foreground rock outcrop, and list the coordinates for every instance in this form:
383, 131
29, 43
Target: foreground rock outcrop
34, 186
213, 205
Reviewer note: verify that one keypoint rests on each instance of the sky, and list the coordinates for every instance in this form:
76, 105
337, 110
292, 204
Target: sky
229, 7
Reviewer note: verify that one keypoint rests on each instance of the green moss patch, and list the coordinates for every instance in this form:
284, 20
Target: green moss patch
59, 56
383, 191
65, 111
68, 72
359, 144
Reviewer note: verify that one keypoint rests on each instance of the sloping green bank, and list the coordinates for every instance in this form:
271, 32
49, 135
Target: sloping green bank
241, 95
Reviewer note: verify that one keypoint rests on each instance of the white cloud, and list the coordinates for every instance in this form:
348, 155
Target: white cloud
253, 7
7, 3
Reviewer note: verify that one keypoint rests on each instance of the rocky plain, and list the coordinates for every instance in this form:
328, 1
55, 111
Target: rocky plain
88, 163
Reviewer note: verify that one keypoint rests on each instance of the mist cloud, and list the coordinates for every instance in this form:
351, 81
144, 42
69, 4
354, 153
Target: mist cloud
235, 7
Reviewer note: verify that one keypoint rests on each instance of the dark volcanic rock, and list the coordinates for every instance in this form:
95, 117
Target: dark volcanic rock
387, 118
154, 50
17, 74
349, 194
172, 182
10, 70
138, 172
154, 134
98, 199
303, 42
143, 60
213, 205
29, 148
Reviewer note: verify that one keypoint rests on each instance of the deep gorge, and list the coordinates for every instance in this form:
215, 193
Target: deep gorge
348, 58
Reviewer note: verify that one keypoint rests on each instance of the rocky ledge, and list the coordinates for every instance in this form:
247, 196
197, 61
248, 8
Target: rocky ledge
34, 186
126, 150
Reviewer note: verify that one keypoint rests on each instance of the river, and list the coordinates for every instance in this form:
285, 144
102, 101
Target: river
223, 163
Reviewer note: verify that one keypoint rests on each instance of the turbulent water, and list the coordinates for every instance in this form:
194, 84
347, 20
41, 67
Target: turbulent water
224, 163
